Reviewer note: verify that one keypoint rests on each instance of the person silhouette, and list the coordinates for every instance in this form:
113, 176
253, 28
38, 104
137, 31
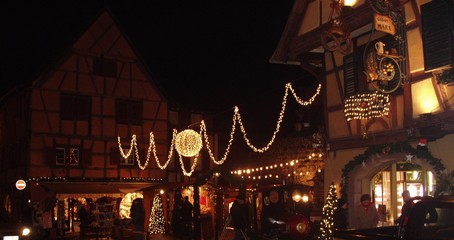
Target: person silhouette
239, 213
186, 214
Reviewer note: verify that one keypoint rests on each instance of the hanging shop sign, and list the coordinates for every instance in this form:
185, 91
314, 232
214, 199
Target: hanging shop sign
384, 23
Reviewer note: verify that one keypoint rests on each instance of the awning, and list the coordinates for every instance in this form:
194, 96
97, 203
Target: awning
96, 187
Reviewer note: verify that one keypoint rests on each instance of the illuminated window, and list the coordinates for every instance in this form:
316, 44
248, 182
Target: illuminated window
67, 156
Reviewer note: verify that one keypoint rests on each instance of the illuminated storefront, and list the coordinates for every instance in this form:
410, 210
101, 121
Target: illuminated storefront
389, 183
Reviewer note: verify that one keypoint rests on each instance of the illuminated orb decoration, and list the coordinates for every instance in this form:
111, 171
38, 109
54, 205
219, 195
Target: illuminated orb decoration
188, 143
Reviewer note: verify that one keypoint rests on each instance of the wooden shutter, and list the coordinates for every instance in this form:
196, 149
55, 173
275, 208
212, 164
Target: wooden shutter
437, 34
350, 75
115, 156
85, 157
49, 154
83, 107
66, 106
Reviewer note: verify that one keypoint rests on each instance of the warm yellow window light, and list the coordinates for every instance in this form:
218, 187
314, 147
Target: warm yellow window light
350, 3
424, 98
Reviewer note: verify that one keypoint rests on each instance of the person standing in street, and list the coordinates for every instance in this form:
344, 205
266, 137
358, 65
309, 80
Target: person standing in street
340, 215
187, 217
402, 220
239, 214
366, 215
138, 218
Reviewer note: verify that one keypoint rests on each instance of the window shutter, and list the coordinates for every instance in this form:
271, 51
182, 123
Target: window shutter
66, 106
85, 157
350, 75
115, 156
49, 154
83, 108
437, 34
136, 112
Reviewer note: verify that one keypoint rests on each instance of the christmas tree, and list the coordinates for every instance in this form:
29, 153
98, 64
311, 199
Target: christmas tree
156, 225
327, 222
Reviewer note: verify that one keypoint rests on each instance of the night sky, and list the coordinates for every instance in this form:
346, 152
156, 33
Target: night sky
207, 55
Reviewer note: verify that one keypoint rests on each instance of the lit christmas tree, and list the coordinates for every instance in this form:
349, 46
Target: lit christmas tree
327, 222
156, 225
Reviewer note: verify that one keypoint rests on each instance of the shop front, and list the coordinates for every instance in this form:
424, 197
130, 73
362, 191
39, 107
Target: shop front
92, 209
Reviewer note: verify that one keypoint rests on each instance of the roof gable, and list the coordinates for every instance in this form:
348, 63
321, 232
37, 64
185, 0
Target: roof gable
104, 38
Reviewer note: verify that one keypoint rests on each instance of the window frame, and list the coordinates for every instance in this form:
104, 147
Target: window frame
62, 156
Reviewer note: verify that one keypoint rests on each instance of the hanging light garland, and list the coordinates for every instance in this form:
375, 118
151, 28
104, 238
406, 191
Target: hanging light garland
302, 170
188, 143
366, 106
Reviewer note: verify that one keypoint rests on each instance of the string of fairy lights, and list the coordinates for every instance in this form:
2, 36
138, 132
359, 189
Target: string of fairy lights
303, 168
366, 106
188, 143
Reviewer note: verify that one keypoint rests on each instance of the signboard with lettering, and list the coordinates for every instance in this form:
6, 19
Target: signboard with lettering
384, 23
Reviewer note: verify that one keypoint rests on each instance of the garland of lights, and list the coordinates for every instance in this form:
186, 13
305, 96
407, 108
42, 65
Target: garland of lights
327, 221
366, 106
188, 142
313, 163
192, 167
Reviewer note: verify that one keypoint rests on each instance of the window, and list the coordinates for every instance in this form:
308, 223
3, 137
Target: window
67, 156
129, 111
104, 67
75, 107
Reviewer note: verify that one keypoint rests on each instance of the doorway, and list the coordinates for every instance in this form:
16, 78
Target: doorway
389, 183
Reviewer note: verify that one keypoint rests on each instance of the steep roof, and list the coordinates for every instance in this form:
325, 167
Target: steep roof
54, 44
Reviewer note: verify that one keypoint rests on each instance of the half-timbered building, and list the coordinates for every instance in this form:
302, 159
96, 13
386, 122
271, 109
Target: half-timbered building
386, 70
60, 131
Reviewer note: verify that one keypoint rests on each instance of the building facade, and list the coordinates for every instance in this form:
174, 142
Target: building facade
60, 132
386, 70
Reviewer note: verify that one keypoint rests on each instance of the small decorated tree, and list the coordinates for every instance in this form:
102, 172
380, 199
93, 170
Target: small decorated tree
327, 221
156, 225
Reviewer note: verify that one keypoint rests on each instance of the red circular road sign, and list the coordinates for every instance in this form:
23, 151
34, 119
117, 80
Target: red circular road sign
20, 184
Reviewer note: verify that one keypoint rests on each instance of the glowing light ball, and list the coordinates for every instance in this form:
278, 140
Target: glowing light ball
188, 143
